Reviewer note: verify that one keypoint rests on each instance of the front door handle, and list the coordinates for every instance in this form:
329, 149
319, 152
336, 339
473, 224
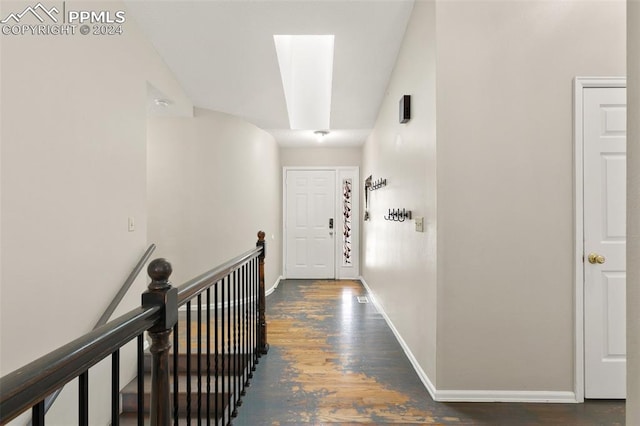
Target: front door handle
596, 258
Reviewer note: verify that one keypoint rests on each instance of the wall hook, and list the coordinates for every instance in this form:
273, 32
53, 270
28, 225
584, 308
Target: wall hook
397, 215
377, 184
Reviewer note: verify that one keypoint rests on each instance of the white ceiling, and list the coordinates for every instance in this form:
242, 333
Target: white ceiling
223, 54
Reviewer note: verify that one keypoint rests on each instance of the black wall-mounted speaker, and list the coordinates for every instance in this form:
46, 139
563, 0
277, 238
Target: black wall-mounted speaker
405, 108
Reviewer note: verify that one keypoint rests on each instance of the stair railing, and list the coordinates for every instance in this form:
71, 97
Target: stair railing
110, 309
234, 296
238, 291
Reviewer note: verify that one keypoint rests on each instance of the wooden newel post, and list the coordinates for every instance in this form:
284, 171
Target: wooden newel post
263, 346
160, 293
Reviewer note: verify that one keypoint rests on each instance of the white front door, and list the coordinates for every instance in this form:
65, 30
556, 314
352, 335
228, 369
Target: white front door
310, 224
604, 150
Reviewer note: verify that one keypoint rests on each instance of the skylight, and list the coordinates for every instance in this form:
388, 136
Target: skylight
306, 68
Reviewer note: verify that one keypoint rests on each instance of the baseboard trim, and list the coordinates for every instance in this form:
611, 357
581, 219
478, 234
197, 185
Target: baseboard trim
505, 396
428, 384
273, 287
469, 395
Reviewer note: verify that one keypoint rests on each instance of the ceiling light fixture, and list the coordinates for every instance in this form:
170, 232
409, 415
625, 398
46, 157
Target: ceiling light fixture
162, 102
320, 134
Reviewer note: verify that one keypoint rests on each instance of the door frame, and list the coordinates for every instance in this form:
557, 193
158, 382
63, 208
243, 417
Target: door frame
580, 84
352, 172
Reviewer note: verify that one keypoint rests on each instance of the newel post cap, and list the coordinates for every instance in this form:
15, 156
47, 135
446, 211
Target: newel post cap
262, 243
159, 270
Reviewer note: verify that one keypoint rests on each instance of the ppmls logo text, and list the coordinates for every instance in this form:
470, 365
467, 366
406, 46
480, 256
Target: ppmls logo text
57, 19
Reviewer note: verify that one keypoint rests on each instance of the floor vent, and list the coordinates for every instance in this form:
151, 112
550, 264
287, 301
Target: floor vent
363, 299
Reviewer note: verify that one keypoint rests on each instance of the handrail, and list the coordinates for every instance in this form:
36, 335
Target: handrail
197, 285
125, 286
55, 369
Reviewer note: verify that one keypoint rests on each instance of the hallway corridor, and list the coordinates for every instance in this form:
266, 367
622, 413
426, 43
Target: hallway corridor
334, 360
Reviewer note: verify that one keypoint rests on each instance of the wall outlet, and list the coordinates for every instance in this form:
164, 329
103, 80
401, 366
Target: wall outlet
419, 224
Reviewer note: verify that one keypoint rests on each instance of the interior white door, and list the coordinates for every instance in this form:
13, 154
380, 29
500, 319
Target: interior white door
310, 224
604, 151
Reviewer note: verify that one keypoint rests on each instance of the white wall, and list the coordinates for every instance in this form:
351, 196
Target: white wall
505, 180
73, 136
398, 263
503, 256
214, 182
321, 157
633, 213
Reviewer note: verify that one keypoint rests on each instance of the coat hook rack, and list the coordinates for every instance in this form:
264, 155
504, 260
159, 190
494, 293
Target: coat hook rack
397, 215
377, 184
371, 185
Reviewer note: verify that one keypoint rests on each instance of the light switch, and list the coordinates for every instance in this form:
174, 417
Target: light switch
419, 224
132, 224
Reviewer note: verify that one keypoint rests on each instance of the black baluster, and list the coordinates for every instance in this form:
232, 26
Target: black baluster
229, 394
140, 381
245, 334
223, 354
115, 388
216, 351
199, 360
176, 381
37, 414
254, 307
188, 362
209, 355
83, 399
236, 395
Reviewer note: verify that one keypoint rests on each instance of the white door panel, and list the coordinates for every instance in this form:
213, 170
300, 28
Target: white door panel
310, 204
605, 235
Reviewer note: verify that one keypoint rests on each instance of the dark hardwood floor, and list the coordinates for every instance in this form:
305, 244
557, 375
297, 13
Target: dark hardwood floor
333, 360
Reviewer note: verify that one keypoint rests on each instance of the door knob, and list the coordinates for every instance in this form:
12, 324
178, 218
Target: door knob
596, 258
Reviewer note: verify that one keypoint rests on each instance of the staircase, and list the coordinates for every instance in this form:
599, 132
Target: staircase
191, 403
230, 329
